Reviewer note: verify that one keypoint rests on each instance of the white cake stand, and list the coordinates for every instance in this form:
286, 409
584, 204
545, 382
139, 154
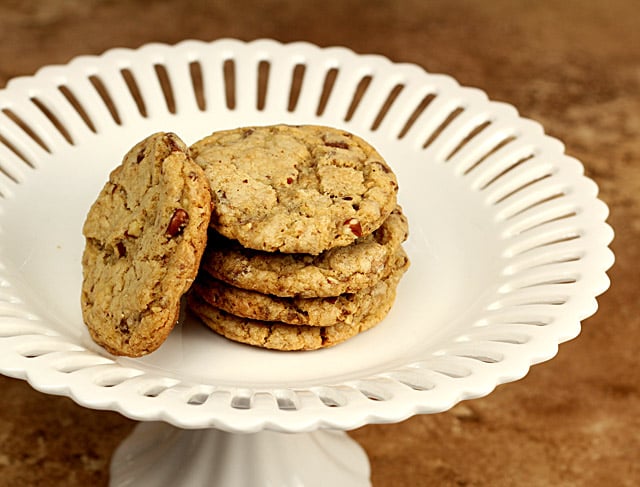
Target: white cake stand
509, 248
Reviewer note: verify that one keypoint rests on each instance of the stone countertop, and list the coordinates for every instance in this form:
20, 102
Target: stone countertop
574, 66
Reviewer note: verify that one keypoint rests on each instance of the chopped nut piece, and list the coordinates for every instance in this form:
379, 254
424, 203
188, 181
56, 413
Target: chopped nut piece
354, 226
337, 144
121, 249
178, 221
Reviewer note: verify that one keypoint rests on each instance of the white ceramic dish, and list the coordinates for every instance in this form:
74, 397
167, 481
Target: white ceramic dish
509, 244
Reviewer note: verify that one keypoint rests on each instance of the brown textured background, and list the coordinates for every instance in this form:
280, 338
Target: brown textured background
572, 65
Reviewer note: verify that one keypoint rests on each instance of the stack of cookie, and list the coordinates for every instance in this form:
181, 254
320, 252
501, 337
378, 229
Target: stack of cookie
304, 249
294, 234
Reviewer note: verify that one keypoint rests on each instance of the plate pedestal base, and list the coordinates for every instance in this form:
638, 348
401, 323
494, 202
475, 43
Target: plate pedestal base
158, 455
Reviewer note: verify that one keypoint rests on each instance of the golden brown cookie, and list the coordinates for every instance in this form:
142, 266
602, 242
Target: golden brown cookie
337, 271
295, 189
279, 336
346, 308
145, 235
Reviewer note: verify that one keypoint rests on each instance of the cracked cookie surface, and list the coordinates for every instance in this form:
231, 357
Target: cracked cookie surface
346, 308
144, 239
286, 337
295, 189
333, 272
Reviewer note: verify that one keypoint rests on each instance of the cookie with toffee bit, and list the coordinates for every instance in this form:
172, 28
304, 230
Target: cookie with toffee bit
346, 308
144, 238
295, 189
337, 271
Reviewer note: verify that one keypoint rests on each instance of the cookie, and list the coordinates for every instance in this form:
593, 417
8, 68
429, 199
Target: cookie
333, 272
295, 189
279, 336
346, 308
144, 239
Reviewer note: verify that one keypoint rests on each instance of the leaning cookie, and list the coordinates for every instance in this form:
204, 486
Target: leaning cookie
337, 271
145, 235
295, 189
346, 308
280, 336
